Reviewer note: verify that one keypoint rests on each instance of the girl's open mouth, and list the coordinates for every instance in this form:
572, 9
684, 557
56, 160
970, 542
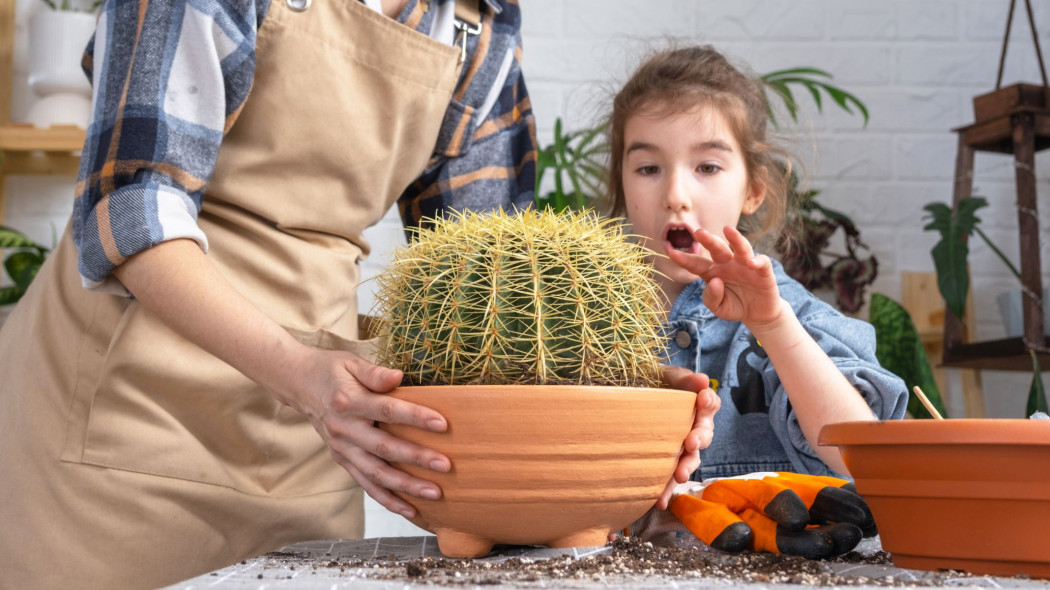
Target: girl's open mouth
681, 239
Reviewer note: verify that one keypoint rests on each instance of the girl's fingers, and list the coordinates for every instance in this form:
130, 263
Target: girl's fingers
742, 249
714, 294
716, 246
665, 496
684, 379
691, 262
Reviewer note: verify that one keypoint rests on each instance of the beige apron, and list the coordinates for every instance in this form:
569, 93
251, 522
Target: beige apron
146, 460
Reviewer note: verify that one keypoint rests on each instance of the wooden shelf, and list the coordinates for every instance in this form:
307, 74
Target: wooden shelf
996, 135
23, 137
1010, 121
1008, 354
25, 149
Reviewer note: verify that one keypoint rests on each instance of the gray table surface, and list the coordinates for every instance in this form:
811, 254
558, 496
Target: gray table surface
303, 566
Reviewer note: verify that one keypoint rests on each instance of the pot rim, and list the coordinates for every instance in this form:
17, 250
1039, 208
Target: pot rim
533, 389
993, 431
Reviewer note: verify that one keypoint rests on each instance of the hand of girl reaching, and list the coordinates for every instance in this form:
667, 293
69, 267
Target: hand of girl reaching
741, 287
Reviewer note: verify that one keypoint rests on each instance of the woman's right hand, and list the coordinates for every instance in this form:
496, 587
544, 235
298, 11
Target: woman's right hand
344, 398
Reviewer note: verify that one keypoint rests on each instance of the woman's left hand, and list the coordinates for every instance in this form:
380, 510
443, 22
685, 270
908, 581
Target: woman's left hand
699, 437
741, 286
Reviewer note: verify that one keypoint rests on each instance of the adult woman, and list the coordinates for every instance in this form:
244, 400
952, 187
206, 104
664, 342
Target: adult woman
150, 434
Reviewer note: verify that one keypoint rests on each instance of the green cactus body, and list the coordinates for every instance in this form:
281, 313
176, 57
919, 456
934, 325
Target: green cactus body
530, 297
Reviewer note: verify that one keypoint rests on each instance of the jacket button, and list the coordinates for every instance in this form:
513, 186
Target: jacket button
683, 339
298, 5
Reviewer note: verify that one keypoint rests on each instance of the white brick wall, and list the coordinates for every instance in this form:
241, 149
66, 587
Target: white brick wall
915, 63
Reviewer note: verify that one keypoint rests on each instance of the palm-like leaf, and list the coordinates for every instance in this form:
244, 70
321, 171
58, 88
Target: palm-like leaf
578, 162
813, 80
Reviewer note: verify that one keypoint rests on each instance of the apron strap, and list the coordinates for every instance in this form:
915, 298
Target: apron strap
468, 11
468, 22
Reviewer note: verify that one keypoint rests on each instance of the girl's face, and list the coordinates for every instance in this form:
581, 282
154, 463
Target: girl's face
682, 172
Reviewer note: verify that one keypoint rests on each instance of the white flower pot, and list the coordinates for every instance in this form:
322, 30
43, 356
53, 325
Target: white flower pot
56, 46
1011, 311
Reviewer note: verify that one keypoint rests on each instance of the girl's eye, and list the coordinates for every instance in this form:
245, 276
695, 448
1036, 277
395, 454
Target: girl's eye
708, 168
648, 170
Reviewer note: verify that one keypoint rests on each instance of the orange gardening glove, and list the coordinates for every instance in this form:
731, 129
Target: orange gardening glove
808, 515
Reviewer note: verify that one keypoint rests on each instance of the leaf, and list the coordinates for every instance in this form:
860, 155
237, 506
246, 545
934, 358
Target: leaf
810, 79
23, 266
9, 295
951, 252
900, 351
579, 172
1036, 394
12, 238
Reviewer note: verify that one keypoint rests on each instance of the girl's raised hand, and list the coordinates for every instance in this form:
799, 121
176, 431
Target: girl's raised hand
741, 286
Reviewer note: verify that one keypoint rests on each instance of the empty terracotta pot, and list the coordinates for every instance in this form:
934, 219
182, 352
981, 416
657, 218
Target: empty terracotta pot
971, 495
560, 466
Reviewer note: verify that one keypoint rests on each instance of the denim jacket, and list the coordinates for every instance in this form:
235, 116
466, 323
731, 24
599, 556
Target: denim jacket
756, 429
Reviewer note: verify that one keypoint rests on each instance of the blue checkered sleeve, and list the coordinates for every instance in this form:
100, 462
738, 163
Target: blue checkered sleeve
168, 79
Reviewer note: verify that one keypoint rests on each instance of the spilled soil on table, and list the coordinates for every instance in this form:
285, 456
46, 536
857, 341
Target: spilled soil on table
628, 560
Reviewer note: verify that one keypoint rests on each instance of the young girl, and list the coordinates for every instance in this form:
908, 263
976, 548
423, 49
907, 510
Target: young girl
695, 175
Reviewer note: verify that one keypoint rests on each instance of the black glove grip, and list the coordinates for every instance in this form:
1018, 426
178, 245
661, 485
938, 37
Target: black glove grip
840, 505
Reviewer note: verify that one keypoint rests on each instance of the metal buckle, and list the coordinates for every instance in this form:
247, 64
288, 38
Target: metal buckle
461, 37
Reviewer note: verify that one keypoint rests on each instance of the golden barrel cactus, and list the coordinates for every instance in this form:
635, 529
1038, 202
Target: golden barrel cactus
524, 298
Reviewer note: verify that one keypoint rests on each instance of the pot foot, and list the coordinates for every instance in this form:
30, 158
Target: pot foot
596, 537
458, 544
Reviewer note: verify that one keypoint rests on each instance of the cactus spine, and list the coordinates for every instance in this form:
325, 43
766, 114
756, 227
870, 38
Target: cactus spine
530, 297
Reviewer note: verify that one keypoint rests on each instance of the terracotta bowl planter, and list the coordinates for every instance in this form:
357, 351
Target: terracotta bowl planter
972, 495
560, 465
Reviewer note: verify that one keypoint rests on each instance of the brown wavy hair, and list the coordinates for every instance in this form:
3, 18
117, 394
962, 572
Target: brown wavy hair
683, 80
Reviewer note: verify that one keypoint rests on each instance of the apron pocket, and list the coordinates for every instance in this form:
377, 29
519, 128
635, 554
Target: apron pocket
163, 406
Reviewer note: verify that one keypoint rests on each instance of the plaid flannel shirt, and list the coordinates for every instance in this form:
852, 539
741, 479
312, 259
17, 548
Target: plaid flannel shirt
151, 147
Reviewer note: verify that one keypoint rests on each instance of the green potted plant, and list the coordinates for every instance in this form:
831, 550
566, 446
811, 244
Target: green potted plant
23, 261
577, 161
900, 351
537, 336
950, 259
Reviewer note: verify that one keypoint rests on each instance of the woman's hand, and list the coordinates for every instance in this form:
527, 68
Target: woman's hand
741, 287
699, 437
343, 396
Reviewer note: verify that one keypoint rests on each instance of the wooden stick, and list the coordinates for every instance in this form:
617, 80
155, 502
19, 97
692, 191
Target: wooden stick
926, 402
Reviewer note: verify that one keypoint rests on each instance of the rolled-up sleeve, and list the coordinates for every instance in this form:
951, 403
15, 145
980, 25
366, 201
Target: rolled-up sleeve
850, 344
168, 79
